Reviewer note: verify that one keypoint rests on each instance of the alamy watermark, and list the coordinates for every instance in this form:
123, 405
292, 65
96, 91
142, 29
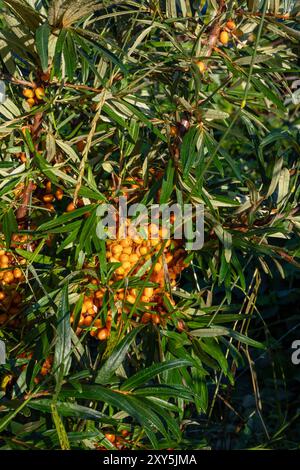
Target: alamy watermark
175, 221
296, 354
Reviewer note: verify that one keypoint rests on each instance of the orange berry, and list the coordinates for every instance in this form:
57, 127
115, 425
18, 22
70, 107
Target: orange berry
201, 66
169, 258
4, 259
8, 277
130, 299
144, 298
120, 271
157, 267
103, 334
143, 250
224, 37
59, 194
110, 437
49, 206
28, 93
23, 157
126, 265
231, 25
125, 433
124, 257
48, 198
173, 131
125, 243
2, 295
133, 258
88, 320
31, 102
99, 294
148, 291
155, 318
39, 93
88, 303
48, 187
117, 249
17, 273
70, 207
44, 371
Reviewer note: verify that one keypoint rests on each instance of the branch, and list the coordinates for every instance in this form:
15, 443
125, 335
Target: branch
215, 29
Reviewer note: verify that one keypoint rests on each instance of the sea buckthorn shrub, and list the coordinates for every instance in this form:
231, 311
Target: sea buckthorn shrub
138, 341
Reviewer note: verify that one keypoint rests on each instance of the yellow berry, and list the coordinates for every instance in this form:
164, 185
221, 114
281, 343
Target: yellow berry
130, 299
224, 38
31, 102
157, 267
28, 93
148, 291
39, 93
201, 66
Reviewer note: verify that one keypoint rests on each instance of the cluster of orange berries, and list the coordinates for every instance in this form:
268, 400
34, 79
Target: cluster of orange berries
45, 369
48, 196
11, 276
119, 441
89, 310
223, 38
10, 273
34, 95
225, 33
132, 253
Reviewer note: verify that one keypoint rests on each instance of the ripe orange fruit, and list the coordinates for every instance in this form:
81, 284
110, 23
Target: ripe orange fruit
28, 93
103, 334
48, 198
59, 194
201, 66
39, 93
155, 318
70, 207
23, 157
110, 437
224, 38
148, 291
231, 25
17, 273
157, 267
31, 102
173, 131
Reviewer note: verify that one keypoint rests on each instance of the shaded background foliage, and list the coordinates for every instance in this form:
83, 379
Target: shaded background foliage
125, 98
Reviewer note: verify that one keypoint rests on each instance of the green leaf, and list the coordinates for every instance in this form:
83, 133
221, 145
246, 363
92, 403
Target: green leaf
60, 429
41, 41
71, 409
143, 376
62, 354
167, 183
116, 357
10, 225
